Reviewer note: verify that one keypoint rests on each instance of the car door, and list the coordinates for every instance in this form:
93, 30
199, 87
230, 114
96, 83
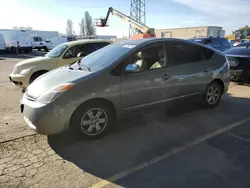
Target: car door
188, 68
149, 86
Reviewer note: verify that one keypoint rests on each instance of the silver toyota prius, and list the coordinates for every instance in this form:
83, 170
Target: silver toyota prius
124, 78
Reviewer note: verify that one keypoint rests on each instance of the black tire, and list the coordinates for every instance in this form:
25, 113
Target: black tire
208, 101
36, 75
45, 49
81, 115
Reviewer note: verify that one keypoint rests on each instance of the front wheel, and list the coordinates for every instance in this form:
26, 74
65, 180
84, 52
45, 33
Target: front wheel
212, 95
92, 120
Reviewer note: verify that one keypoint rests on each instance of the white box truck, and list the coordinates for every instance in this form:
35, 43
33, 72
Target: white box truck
39, 43
17, 40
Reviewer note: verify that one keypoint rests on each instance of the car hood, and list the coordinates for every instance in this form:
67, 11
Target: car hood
54, 78
238, 52
35, 60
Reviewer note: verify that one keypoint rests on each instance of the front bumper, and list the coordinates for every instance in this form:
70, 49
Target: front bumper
47, 119
19, 80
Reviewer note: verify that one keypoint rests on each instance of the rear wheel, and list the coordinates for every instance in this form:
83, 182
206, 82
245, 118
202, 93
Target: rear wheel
92, 120
212, 95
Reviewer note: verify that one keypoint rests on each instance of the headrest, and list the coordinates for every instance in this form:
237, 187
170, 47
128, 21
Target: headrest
148, 55
161, 52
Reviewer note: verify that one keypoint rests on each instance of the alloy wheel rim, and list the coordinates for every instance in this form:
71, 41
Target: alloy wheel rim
213, 94
94, 121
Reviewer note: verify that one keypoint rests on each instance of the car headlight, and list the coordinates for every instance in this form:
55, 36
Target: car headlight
54, 92
25, 71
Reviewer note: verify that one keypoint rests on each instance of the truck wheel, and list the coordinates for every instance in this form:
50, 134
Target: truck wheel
45, 49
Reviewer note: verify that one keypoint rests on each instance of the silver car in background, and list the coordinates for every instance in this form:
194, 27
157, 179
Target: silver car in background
123, 79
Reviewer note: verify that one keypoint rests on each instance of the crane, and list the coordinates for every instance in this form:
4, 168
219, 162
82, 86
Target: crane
145, 31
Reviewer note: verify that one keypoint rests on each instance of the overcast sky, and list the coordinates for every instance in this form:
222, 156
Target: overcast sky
52, 14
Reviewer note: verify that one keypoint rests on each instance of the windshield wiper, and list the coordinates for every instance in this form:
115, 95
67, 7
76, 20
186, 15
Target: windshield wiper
88, 69
70, 67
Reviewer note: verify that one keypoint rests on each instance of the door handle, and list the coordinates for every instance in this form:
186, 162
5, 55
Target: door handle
165, 77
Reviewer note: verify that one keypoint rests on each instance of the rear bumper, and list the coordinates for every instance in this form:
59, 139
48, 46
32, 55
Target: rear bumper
19, 80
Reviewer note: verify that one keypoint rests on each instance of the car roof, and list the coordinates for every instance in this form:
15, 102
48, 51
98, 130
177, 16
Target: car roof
149, 40
85, 41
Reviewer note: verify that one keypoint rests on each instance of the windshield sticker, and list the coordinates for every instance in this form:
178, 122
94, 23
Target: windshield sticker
129, 46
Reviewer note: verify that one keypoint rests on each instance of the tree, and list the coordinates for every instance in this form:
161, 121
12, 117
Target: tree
82, 27
89, 24
69, 27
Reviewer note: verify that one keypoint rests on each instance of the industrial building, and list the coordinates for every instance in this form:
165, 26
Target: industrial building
190, 32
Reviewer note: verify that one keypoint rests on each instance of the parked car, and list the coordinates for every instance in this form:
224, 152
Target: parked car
218, 43
17, 40
121, 79
239, 60
25, 72
241, 41
39, 43
2, 43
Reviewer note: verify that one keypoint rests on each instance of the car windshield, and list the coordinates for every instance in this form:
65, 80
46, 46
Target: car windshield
57, 51
105, 56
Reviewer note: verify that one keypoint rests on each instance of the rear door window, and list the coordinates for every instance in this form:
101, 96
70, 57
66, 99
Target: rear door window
182, 53
101, 45
91, 47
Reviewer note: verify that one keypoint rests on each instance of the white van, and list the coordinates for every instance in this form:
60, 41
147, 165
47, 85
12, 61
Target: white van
17, 40
2, 43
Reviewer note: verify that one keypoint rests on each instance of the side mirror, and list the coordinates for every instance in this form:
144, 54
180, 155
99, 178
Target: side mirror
132, 68
81, 54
